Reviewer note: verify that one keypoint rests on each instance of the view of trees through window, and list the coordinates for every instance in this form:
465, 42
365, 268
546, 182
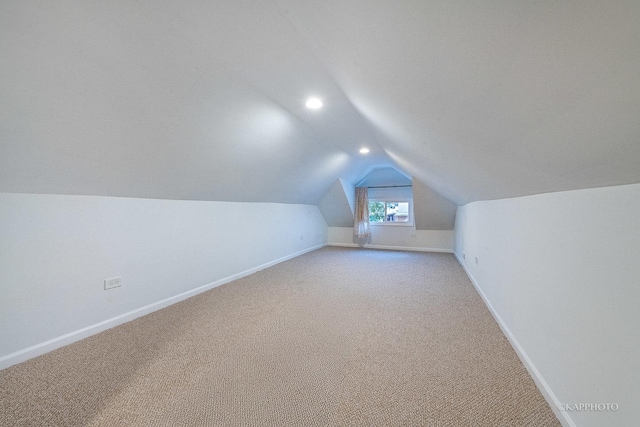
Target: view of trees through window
388, 211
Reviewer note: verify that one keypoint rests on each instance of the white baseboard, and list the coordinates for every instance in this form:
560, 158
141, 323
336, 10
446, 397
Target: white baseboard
393, 248
66, 339
544, 388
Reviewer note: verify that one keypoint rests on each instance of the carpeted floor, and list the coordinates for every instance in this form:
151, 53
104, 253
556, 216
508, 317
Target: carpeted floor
335, 337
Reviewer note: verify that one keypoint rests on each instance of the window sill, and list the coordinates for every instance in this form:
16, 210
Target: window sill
392, 224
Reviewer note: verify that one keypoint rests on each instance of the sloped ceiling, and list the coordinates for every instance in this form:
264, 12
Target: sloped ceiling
432, 211
338, 204
384, 177
205, 100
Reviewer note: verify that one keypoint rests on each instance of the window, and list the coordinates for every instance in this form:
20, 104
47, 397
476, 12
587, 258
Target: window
390, 212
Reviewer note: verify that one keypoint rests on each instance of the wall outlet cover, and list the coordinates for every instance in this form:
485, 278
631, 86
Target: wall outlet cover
115, 282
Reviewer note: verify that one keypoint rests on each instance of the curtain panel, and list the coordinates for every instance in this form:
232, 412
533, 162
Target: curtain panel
361, 228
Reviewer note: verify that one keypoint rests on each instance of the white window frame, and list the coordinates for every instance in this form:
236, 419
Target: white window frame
386, 223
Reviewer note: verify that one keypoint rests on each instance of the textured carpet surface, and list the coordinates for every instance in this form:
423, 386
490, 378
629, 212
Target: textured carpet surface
335, 337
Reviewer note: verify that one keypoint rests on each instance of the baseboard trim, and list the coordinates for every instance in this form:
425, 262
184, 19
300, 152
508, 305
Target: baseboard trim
542, 385
393, 248
66, 339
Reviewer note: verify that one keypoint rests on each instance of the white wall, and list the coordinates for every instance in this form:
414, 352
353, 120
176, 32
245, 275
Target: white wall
562, 273
396, 237
432, 210
336, 205
56, 250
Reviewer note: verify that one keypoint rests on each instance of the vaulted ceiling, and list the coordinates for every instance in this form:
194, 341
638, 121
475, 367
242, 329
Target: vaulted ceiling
205, 100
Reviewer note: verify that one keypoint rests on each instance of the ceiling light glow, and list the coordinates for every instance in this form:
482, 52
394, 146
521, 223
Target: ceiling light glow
364, 150
314, 103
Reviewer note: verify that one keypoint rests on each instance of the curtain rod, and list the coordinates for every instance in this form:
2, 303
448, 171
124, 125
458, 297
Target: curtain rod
392, 186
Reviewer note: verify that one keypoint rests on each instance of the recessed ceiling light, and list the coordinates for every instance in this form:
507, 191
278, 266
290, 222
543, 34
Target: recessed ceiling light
364, 150
313, 103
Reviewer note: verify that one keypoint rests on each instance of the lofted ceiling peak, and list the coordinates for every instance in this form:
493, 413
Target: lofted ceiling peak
206, 100
384, 176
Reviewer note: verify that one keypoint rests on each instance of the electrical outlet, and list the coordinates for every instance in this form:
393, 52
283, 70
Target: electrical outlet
464, 256
476, 260
116, 282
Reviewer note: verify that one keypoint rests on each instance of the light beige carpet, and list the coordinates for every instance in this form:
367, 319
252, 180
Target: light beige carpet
335, 337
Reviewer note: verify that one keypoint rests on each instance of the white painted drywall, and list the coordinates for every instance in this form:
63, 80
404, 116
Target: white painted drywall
382, 176
562, 272
350, 193
56, 250
336, 207
396, 237
432, 210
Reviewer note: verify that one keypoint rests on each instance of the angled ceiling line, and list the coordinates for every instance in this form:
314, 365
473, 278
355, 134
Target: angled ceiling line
313, 50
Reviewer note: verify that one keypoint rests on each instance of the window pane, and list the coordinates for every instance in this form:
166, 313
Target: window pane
376, 211
398, 211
